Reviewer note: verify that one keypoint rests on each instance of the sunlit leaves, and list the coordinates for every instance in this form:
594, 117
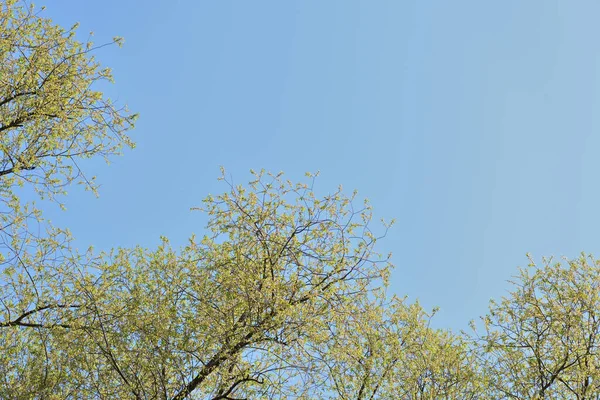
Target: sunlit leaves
232, 313
541, 341
51, 114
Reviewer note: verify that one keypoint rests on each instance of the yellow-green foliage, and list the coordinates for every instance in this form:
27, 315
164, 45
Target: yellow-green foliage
284, 297
542, 340
51, 115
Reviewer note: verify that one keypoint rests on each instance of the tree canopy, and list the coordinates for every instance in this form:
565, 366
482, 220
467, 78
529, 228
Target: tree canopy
541, 341
284, 296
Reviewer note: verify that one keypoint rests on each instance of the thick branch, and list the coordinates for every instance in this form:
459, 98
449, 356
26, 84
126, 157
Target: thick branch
13, 97
19, 321
213, 364
12, 169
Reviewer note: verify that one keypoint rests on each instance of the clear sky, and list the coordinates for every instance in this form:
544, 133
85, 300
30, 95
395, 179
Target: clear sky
473, 123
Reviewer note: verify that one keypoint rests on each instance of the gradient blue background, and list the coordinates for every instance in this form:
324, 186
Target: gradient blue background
473, 123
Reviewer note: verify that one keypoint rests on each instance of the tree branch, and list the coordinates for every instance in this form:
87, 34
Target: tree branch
19, 321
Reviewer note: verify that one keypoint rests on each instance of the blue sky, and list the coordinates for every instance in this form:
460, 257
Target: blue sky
473, 123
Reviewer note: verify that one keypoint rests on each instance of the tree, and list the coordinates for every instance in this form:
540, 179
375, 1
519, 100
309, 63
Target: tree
542, 341
223, 317
244, 300
386, 349
51, 117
